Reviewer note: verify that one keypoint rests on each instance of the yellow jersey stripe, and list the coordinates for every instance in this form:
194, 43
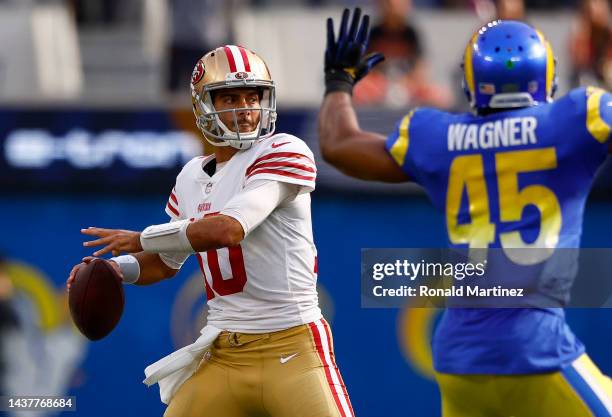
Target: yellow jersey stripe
400, 147
596, 126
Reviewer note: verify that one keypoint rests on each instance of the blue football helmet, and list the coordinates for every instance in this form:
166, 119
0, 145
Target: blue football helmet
508, 64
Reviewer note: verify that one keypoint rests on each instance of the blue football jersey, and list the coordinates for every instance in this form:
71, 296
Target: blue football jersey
513, 179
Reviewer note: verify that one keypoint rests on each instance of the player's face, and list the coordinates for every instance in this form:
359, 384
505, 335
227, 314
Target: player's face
245, 99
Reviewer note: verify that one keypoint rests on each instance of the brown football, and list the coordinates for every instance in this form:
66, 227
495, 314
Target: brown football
96, 299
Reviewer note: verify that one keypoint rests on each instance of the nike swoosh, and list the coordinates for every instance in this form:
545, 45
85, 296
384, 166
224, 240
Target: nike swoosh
276, 145
288, 358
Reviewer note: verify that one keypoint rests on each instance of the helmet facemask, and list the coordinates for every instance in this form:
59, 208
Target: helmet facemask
218, 133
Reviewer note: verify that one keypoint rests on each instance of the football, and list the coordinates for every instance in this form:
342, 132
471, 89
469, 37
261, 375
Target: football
96, 299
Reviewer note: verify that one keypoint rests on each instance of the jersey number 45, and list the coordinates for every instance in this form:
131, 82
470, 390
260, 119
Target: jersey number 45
467, 172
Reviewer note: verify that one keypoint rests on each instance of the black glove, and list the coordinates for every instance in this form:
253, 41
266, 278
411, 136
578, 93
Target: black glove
345, 59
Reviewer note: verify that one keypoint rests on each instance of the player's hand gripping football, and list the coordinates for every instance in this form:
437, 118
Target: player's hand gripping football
345, 60
84, 262
113, 240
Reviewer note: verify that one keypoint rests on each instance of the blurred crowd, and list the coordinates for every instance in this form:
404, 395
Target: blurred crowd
591, 45
199, 25
404, 79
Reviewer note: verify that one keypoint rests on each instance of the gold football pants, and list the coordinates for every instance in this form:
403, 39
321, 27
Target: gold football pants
290, 373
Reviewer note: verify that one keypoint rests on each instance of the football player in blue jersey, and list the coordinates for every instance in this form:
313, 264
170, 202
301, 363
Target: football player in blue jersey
521, 165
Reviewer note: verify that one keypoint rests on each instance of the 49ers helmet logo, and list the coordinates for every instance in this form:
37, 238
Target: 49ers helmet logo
241, 75
198, 72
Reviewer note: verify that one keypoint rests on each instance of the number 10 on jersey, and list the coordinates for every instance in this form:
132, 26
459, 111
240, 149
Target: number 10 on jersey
213, 259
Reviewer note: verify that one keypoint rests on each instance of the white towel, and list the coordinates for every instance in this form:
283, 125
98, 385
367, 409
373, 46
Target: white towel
173, 370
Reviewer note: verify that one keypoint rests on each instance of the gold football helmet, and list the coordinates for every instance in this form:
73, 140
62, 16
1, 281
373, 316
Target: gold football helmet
232, 66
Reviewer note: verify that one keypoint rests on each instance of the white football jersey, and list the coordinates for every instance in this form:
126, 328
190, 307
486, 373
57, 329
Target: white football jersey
268, 282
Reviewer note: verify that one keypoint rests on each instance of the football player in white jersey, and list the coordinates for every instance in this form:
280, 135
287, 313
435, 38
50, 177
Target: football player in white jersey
245, 213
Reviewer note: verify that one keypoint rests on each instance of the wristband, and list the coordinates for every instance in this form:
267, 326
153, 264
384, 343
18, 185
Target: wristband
338, 80
166, 237
130, 268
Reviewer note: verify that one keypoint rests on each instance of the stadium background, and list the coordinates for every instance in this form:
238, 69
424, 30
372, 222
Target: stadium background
89, 137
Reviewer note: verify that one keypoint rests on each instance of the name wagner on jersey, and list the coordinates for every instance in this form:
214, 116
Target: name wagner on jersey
508, 132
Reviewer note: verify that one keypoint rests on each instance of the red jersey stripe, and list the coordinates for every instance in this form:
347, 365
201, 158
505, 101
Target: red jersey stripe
173, 197
172, 209
280, 172
281, 155
281, 164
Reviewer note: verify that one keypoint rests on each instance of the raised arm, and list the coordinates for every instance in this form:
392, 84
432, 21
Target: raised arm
355, 152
